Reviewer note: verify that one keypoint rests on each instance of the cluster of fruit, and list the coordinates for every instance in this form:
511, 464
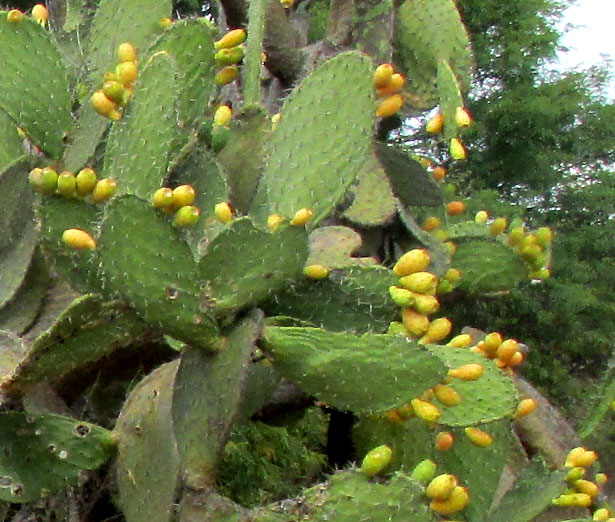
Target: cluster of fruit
462, 119
119, 85
83, 185
388, 83
229, 52
532, 247
179, 200
582, 492
39, 14
505, 353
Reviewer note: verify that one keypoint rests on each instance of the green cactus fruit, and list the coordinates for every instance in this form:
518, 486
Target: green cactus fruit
186, 216
226, 75
104, 190
86, 180
114, 91
48, 181
229, 56
376, 460
401, 296
424, 471
67, 185
163, 198
14, 16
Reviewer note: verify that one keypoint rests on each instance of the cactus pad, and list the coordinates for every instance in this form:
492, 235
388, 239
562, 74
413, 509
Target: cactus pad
138, 145
334, 134
206, 397
450, 98
41, 109
10, 142
491, 397
361, 292
147, 467
243, 264
84, 137
333, 247
143, 259
59, 446
386, 371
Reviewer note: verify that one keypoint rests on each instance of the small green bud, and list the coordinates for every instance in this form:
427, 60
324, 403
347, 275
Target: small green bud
424, 471
186, 216
376, 460
67, 185
114, 91
49, 181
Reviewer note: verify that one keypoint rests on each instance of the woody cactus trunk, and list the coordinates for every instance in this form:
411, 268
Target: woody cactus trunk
183, 217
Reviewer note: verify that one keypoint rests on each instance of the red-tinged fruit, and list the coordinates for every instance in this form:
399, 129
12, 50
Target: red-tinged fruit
435, 124
78, 239
457, 149
40, 14
438, 173
444, 441
223, 212
163, 198
395, 85
383, 75
455, 207
507, 349
431, 223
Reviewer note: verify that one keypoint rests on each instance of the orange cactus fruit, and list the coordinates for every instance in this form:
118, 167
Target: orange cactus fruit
457, 149
126, 52
389, 106
376, 460
447, 395
302, 216
78, 239
416, 260
441, 486
40, 14
460, 341
104, 190
14, 16
425, 410
395, 85
431, 223
420, 282
223, 212
444, 440
525, 407
507, 349
316, 272
223, 115
479, 437
435, 124
467, 372
455, 207
274, 221
231, 39
491, 343
415, 322
383, 75
102, 105
438, 173
457, 501
183, 196
438, 330
462, 117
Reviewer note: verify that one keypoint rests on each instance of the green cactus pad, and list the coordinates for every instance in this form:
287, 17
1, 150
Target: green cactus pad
335, 134
190, 43
60, 447
74, 16
477, 468
488, 266
143, 259
468, 229
333, 247
243, 264
374, 203
243, 156
138, 146
324, 363
57, 214
429, 31
118, 21
361, 292
147, 465
21, 311
491, 397
13, 350
450, 99
84, 137
260, 383
533, 491
41, 109
10, 142
411, 183
206, 396
373, 29
87, 331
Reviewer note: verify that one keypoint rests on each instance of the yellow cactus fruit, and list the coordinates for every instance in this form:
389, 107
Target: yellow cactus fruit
416, 260
455, 207
452, 275
441, 487
165, 23
102, 105
467, 372
395, 84
457, 149
587, 487
40, 14
226, 75
460, 341
457, 501
438, 330
78, 239
183, 196
435, 124
601, 515
316, 272
580, 457
420, 282
273, 221
431, 223
415, 322
601, 478
223, 115
515, 236
507, 349
438, 173
491, 343
14, 16
67, 186
104, 190
115, 114
498, 226
573, 499
127, 72
425, 304
425, 410
383, 75
462, 117
163, 198
525, 407
544, 236
275, 119
231, 39
302, 216
186, 216
575, 474
223, 212
390, 106
481, 217
447, 395
424, 471
376, 460
126, 52
528, 240
444, 440
478, 437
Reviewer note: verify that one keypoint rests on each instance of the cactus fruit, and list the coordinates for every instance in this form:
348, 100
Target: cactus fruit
580, 457
402, 296
587, 487
102, 105
44, 180
573, 500
104, 190
383, 75
231, 39
395, 84
507, 349
452, 275
226, 75
457, 149
438, 173
229, 56
420, 282
126, 52
424, 471
14, 16
114, 90
223, 115
316, 272
438, 330
467, 372
425, 410
575, 474
67, 185
457, 501
273, 221
515, 235
447, 395
526, 406
127, 73
460, 341
462, 117
186, 216
413, 261
601, 478
163, 198
86, 180
444, 440
183, 196
302, 216
478, 437
223, 212
425, 304
40, 14
376, 460
481, 217
435, 124
415, 322
455, 207
78, 239
498, 226
431, 223
389, 106
441, 487
601, 515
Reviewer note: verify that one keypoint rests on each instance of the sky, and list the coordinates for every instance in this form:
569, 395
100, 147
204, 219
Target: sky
593, 35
